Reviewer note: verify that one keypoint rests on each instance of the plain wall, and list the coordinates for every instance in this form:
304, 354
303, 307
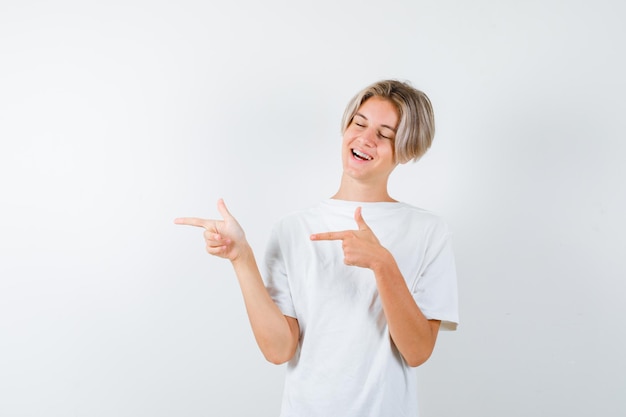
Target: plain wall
116, 117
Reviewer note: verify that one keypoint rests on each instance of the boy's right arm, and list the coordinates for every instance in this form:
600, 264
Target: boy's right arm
276, 334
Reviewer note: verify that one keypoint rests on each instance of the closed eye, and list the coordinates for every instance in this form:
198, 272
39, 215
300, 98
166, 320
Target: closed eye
359, 120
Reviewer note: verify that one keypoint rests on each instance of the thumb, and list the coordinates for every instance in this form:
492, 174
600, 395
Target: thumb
221, 206
359, 219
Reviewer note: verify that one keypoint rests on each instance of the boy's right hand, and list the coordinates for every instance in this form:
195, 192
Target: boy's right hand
224, 238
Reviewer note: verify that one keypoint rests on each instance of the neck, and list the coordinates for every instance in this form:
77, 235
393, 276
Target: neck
353, 190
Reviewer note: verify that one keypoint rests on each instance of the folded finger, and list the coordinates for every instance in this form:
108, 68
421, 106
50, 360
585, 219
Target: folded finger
216, 250
214, 239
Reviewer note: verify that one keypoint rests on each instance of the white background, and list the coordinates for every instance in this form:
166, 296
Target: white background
116, 117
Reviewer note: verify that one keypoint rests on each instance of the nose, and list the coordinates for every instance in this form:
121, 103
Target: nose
368, 136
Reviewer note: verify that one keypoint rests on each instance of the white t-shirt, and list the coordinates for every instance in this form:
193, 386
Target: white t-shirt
346, 364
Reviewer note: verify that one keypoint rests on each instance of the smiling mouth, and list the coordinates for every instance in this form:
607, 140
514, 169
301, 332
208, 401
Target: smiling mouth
361, 156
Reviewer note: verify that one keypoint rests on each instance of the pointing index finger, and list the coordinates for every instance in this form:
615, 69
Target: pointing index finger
329, 236
193, 221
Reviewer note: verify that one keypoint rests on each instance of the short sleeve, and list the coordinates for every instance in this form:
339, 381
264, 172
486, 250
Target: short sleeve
436, 291
275, 275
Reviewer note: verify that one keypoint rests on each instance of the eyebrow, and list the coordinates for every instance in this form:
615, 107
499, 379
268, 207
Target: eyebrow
386, 126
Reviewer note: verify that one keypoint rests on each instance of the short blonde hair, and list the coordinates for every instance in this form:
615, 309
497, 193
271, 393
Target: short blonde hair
416, 128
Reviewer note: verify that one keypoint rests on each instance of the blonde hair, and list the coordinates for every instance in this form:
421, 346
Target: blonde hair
416, 128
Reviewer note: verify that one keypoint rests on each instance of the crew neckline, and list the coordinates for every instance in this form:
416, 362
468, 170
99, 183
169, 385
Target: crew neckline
338, 200
365, 204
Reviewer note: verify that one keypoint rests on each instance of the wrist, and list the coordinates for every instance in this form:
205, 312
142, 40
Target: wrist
243, 254
382, 262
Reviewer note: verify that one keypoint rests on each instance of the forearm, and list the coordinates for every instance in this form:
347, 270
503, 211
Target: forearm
276, 335
412, 333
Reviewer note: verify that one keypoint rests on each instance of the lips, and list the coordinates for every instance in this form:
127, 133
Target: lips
361, 155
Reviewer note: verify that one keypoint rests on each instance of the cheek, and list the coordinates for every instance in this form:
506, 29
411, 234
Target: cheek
387, 149
347, 138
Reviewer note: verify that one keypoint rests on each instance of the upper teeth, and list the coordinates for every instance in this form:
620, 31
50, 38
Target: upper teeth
361, 155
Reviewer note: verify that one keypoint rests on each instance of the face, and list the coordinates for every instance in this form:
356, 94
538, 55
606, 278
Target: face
368, 142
